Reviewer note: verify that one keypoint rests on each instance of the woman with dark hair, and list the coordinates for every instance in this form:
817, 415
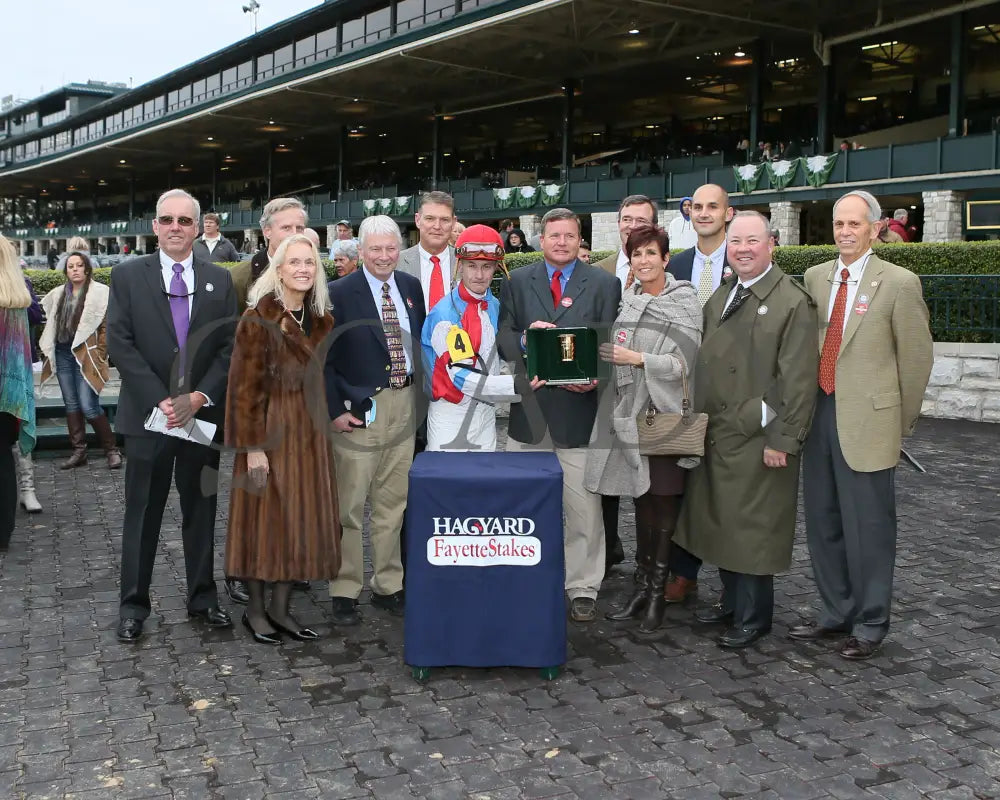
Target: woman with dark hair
73, 344
655, 341
517, 242
17, 396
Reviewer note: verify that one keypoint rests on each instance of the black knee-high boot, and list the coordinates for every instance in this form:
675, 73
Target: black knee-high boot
655, 601
643, 563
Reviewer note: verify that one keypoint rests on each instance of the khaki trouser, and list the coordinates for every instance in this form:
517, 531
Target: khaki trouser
374, 463
583, 523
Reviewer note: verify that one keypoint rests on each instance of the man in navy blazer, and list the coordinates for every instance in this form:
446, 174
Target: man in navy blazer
375, 399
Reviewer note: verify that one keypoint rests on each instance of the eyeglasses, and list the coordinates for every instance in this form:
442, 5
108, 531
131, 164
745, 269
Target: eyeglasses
475, 250
636, 221
166, 219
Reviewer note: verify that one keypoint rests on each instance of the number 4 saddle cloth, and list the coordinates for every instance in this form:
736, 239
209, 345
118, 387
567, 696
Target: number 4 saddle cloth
460, 355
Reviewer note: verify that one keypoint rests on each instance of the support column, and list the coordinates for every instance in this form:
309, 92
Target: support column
604, 231
40, 249
270, 173
252, 235
340, 161
435, 148
567, 128
530, 224
785, 217
131, 197
755, 107
943, 216
121, 241
956, 102
143, 243
824, 108
102, 241
22, 247
215, 175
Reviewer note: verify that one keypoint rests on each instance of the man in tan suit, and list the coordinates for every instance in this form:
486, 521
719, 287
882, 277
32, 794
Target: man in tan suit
876, 354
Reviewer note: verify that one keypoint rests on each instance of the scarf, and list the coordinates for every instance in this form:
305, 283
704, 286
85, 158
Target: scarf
17, 385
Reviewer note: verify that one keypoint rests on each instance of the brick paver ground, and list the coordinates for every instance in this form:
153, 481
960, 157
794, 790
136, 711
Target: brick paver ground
208, 715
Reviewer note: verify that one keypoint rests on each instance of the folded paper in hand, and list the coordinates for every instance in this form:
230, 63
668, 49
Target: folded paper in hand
196, 430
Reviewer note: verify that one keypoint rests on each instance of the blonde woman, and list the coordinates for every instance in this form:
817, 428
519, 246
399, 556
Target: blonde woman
73, 346
17, 395
284, 523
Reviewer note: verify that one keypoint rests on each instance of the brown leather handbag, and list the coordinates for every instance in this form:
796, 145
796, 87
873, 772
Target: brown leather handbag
672, 434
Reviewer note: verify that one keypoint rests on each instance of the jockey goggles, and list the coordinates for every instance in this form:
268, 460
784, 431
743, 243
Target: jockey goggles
480, 251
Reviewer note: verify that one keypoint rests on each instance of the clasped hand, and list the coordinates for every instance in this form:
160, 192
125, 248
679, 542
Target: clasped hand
179, 410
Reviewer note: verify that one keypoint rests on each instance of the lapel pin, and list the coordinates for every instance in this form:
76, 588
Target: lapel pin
762, 310
621, 337
566, 302
209, 287
863, 300
409, 302
726, 272
874, 284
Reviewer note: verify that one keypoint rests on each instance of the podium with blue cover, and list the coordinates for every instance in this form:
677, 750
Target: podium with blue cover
485, 567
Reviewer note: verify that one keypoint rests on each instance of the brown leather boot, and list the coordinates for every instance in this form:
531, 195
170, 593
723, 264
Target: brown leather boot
77, 425
680, 589
106, 437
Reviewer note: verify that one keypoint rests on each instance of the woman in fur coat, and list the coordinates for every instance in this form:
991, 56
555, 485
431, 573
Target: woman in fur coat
284, 521
655, 341
73, 344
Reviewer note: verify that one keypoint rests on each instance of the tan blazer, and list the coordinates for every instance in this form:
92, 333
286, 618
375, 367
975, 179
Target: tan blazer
609, 264
884, 364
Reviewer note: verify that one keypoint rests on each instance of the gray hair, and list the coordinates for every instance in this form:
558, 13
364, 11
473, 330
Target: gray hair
346, 248
751, 214
172, 193
874, 209
557, 214
900, 214
279, 204
379, 225
269, 282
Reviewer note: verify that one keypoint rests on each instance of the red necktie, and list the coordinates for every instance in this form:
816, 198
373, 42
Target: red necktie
556, 288
437, 283
834, 336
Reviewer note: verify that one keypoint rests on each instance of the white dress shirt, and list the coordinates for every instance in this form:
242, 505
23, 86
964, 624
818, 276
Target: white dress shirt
375, 284
718, 260
622, 268
425, 273
167, 270
853, 282
211, 243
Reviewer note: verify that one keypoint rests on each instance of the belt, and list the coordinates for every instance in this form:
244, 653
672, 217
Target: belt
404, 384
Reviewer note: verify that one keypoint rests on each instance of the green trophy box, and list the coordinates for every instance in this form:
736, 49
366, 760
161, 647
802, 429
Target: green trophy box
564, 355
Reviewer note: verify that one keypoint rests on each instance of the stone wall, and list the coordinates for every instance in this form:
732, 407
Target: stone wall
965, 382
943, 216
604, 231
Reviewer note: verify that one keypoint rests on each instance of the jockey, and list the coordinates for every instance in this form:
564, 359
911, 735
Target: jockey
460, 354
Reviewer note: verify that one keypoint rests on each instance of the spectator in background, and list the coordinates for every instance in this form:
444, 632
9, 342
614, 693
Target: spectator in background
517, 243
345, 257
898, 224
53, 256
681, 231
212, 245
584, 254
345, 233
506, 226
776, 235
845, 144
887, 235
456, 231
313, 236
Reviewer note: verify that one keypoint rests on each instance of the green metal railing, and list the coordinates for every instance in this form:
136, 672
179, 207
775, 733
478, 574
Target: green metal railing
963, 308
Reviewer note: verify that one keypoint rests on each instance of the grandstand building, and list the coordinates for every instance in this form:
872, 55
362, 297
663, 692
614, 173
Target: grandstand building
358, 105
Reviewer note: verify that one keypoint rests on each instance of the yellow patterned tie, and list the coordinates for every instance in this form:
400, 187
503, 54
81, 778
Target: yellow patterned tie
394, 339
705, 282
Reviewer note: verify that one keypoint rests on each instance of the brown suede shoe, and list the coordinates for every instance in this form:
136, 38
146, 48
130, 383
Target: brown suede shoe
680, 589
855, 649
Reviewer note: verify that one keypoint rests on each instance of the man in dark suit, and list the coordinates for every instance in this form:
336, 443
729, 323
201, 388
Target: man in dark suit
705, 265
373, 388
635, 210
562, 291
170, 334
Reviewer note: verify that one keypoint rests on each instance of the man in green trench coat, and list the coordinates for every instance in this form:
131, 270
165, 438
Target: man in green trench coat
756, 379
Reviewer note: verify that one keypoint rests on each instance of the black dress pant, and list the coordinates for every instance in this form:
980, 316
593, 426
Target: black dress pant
750, 598
8, 478
151, 464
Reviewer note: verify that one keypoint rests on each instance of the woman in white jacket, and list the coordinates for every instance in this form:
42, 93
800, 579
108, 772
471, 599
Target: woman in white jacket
73, 344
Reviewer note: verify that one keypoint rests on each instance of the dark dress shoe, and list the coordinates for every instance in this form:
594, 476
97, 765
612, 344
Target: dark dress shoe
301, 586
300, 634
214, 617
237, 591
129, 630
855, 649
393, 603
260, 638
715, 613
735, 638
811, 633
345, 612
615, 555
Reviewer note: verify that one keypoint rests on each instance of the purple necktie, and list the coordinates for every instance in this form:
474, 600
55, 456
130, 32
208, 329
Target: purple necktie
179, 310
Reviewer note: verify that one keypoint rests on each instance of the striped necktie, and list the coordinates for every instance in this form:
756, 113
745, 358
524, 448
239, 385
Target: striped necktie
394, 339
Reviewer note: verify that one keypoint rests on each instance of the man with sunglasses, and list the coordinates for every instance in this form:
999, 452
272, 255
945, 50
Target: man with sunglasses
459, 344
170, 334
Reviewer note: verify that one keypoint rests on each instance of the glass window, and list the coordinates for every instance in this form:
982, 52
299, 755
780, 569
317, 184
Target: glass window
439, 9
113, 123
159, 104
80, 135
326, 43
305, 51
179, 98
265, 66
63, 140
354, 33
229, 79
212, 84
244, 73
137, 114
48, 142
409, 14
377, 25
283, 59
149, 109
198, 90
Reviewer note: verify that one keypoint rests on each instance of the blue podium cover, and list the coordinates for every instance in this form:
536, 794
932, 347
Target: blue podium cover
485, 567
